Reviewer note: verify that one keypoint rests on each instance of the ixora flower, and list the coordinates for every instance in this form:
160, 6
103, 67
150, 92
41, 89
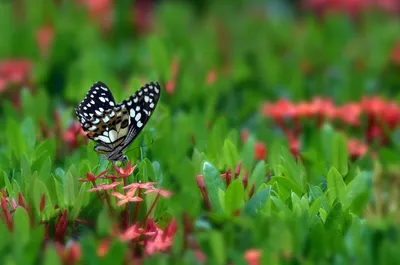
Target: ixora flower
126, 171
162, 240
128, 197
91, 177
105, 186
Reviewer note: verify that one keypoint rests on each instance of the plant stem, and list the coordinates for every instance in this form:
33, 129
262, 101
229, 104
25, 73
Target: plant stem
135, 213
151, 208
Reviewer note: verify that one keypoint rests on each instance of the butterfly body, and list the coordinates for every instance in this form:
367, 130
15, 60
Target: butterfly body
114, 126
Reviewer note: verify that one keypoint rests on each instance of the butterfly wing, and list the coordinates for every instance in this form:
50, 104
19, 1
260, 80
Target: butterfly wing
97, 103
115, 126
139, 108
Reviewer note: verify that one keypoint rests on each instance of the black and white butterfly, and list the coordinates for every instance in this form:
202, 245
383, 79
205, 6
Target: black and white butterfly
114, 126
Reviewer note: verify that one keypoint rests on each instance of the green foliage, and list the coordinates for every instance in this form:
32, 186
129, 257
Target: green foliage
314, 205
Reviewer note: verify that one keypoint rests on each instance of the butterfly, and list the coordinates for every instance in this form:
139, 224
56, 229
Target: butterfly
114, 126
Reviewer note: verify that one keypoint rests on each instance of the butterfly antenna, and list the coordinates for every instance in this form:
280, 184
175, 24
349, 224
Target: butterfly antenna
140, 146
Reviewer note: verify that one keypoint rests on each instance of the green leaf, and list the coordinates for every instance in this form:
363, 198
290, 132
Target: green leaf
213, 183
115, 253
248, 154
217, 247
51, 256
69, 190
231, 154
335, 219
21, 227
44, 173
8, 184
146, 170
40, 190
257, 177
79, 201
104, 222
288, 184
234, 196
336, 186
256, 203
340, 153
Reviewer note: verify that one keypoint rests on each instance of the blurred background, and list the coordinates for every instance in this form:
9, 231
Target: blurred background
258, 74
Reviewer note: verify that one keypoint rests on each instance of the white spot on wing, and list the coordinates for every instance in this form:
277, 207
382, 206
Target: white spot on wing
92, 101
146, 98
103, 139
98, 112
139, 124
152, 105
111, 103
135, 100
101, 99
93, 128
113, 135
105, 89
106, 119
137, 108
132, 113
138, 116
156, 89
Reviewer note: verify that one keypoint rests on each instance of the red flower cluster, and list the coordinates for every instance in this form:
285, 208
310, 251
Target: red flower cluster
375, 116
353, 7
14, 72
145, 232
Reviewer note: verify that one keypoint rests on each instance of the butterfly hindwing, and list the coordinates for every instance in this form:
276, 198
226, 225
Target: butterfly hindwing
141, 106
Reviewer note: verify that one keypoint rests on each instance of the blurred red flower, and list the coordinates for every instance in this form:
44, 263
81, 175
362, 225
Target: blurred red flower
356, 148
253, 256
73, 135
211, 77
280, 110
44, 38
15, 71
349, 113
260, 151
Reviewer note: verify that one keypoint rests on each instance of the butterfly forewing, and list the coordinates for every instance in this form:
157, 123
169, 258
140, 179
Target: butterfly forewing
140, 106
115, 126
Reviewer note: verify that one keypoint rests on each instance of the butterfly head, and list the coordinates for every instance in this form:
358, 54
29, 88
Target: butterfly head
118, 157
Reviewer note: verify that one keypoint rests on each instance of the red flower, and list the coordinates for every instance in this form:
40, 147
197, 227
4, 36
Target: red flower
105, 186
211, 77
128, 197
373, 106
349, 113
244, 135
304, 110
253, 256
70, 254
163, 193
73, 134
125, 172
323, 107
260, 150
391, 115
356, 148
44, 38
279, 110
133, 232
170, 87
15, 71
145, 186
163, 240
91, 177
